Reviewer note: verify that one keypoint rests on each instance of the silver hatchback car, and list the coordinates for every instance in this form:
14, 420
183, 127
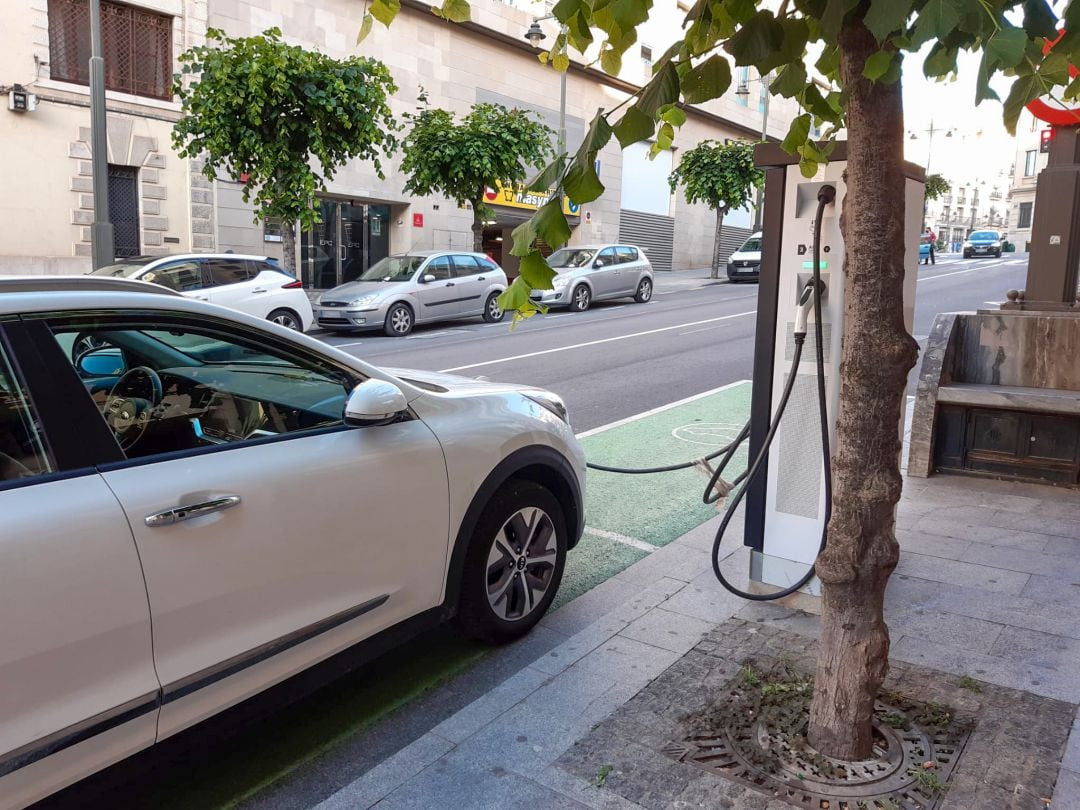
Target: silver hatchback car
398, 292
588, 273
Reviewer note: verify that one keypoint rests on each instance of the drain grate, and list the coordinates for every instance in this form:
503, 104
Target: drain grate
753, 748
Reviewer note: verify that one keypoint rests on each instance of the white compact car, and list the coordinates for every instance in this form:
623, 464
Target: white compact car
251, 284
259, 499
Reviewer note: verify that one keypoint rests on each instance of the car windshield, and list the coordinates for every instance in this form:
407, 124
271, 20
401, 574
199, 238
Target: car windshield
570, 257
393, 268
122, 269
985, 235
751, 245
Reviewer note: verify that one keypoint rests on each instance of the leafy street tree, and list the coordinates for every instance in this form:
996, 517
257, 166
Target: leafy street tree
723, 176
461, 161
262, 112
859, 46
936, 186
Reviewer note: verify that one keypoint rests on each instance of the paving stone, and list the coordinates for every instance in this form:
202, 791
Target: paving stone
789, 619
1067, 790
932, 545
670, 631
483, 710
584, 610
587, 792
389, 774
704, 598
580, 644
1064, 592
1071, 760
1018, 560
1040, 649
675, 561
1068, 547
976, 635
962, 573
982, 532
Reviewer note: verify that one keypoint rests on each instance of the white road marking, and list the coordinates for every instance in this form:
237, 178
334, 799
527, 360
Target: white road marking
597, 342
994, 303
343, 345
703, 329
955, 273
660, 409
633, 542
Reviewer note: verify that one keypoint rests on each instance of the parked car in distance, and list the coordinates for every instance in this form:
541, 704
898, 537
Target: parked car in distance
984, 243
588, 273
745, 263
255, 285
262, 500
398, 292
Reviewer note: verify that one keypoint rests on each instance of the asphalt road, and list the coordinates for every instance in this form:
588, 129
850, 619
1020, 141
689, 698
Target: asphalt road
621, 358
614, 361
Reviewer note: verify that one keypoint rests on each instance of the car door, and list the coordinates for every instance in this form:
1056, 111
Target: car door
438, 298
470, 284
271, 534
77, 683
630, 267
232, 284
605, 274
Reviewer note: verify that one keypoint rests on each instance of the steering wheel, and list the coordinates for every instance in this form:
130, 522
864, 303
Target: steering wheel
129, 405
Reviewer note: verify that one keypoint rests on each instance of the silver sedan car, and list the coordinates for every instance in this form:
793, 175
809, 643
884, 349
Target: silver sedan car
588, 273
398, 292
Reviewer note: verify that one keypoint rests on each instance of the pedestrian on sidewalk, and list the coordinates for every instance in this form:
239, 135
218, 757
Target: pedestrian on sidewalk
930, 238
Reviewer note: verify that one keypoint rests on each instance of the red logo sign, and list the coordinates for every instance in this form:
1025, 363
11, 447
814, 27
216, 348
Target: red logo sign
490, 193
418, 220
1054, 111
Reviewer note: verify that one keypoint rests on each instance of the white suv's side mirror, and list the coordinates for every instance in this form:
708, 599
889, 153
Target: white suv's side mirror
374, 402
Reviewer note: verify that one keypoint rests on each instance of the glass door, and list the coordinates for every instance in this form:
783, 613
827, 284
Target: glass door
378, 233
353, 260
319, 249
351, 237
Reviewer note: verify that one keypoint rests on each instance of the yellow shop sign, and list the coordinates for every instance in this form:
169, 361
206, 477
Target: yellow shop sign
521, 197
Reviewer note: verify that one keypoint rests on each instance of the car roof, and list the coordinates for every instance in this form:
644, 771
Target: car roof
601, 245
175, 256
429, 253
87, 283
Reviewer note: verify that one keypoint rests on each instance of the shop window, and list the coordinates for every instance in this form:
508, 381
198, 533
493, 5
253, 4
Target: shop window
1031, 159
646, 57
136, 44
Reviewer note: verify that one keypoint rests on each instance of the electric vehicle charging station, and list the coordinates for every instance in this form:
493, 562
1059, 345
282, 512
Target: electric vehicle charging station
786, 506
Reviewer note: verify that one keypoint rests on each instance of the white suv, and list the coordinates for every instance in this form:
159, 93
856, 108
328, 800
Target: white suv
251, 284
261, 500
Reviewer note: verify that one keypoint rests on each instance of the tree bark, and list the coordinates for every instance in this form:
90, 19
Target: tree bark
876, 357
715, 272
288, 246
477, 229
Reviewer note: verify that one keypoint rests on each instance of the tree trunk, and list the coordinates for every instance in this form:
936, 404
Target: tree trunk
877, 355
288, 246
477, 229
715, 272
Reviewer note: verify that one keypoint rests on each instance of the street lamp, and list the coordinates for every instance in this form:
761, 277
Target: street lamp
744, 90
535, 35
102, 245
914, 136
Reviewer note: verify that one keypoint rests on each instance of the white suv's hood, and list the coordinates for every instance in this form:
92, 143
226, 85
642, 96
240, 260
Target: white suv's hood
453, 382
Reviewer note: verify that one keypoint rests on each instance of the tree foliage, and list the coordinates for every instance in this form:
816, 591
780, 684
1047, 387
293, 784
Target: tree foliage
721, 175
262, 112
936, 186
460, 160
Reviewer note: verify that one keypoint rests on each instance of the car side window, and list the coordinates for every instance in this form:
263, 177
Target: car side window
487, 265
167, 388
440, 268
182, 276
22, 449
228, 271
466, 266
627, 254
606, 257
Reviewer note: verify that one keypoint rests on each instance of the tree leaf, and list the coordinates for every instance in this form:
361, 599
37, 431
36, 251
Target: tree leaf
453, 10
1055, 69
832, 19
365, 27
1006, 47
561, 62
983, 90
634, 126
662, 89
797, 133
582, 184
1039, 21
756, 40
665, 137
885, 17
707, 81
549, 177
1024, 89
550, 223
611, 61
535, 271
877, 64
936, 21
674, 116
790, 81
940, 62
385, 10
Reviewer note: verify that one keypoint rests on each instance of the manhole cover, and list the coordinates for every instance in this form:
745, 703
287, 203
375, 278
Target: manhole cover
754, 745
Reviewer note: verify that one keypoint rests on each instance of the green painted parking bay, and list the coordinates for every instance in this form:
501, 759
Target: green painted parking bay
653, 510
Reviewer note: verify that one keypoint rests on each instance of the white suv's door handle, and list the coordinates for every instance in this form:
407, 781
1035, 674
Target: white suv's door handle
194, 510
260, 290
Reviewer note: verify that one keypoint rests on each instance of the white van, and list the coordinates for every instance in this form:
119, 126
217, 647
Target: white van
745, 263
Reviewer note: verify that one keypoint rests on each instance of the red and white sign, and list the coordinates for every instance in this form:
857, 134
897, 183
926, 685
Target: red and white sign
490, 194
1052, 110
418, 220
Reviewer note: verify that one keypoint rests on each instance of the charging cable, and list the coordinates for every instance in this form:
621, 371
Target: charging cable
717, 488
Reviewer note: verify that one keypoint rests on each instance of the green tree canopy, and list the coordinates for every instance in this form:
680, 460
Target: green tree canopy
262, 112
721, 175
936, 186
460, 160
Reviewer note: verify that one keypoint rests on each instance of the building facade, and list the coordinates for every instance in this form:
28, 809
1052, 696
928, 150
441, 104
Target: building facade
160, 203
968, 206
1028, 163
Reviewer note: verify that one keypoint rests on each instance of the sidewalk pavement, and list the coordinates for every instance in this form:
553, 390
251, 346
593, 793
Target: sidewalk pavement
692, 278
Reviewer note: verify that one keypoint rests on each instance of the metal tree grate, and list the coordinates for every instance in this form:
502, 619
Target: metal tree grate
751, 750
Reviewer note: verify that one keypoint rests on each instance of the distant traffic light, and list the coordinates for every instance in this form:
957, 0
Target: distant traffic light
1045, 137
